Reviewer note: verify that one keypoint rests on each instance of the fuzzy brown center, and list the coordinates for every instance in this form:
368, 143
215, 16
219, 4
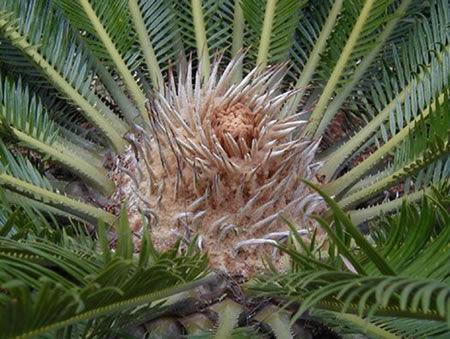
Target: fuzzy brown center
236, 120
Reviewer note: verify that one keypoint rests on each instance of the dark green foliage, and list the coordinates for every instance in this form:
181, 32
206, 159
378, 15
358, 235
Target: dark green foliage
47, 286
348, 278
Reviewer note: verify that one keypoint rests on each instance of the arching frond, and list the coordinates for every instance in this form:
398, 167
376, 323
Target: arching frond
114, 17
158, 35
382, 327
18, 221
353, 39
413, 243
272, 24
424, 152
414, 88
68, 283
60, 57
311, 37
23, 118
206, 27
14, 63
19, 175
109, 23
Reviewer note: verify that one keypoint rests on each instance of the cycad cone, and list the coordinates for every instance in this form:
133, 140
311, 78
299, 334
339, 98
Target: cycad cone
220, 165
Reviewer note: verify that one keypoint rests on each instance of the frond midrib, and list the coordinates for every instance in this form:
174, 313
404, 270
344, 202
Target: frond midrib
96, 117
117, 306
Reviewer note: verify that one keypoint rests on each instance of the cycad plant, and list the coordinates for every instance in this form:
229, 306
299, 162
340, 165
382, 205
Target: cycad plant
202, 117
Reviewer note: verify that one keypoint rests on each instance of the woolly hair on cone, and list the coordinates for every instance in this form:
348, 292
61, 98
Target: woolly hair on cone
221, 165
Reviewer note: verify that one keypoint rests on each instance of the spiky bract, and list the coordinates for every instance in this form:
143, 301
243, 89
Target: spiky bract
221, 163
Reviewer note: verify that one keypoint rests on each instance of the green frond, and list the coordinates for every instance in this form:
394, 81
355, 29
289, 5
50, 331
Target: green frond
19, 220
24, 119
109, 22
14, 63
381, 327
414, 243
218, 20
366, 296
184, 20
24, 112
192, 22
413, 328
65, 284
72, 124
401, 96
365, 19
147, 47
44, 217
19, 175
424, 153
429, 140
116, 21
364, 63
207, 28
338, 185
60, 57
272, 24
310, 41
349, 227
164, 34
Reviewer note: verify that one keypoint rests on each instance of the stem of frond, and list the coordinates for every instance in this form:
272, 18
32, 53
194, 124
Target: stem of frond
94, 175
418, 163
126, 105
146, 44
228, 312
278, 320
21, 200
54, 199
200, 36
122, 68
338, 185
86, 149
264, 43
364, 214
314, 58
318, 114
238, 38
